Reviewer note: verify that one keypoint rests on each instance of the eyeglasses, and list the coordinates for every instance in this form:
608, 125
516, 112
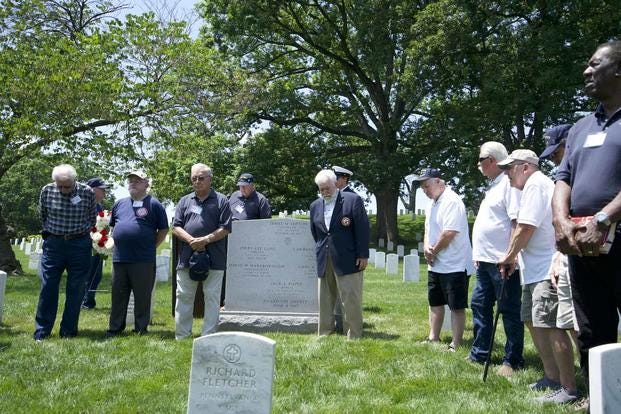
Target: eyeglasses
198, 178
64, 187
481, 159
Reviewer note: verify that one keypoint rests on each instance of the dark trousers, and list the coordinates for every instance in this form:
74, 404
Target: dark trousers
127, 278
60, 255
92, 281
596, 290
486, 293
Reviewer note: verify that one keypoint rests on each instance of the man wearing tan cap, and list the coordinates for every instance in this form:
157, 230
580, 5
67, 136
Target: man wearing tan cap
533, 244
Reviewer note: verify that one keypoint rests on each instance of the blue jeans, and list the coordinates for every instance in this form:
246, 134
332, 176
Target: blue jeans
60, 255
485, 294
92, 281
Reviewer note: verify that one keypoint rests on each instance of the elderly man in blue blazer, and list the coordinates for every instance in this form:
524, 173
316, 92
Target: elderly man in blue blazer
340, 227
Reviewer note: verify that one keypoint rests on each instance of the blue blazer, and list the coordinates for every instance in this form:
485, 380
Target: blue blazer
348, 237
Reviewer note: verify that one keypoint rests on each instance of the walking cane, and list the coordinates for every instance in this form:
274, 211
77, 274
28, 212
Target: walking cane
491, 342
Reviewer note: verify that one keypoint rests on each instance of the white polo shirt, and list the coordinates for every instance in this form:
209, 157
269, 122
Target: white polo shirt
536, 210
492, 228
449, 213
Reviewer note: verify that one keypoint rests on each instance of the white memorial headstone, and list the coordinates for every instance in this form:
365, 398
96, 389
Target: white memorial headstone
414, 252
129, 318
421, 246
605, 379
34, 261
419, 237
162, 268
372, 256
22, 245
380, 260
380, 242
390, 246
2, 289
411, 268
392, 264
28, 249
232, 372
446, 323
400, 250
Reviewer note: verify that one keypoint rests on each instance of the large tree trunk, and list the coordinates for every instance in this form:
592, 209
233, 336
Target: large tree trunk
8, 261
380, 222
388, 198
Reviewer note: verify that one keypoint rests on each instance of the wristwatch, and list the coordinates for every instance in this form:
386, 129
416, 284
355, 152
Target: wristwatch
602, 218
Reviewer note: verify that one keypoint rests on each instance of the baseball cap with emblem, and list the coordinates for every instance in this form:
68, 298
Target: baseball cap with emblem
140, 174
519, 155
245, 179
340, 171
428, 173
97, 182
554, 138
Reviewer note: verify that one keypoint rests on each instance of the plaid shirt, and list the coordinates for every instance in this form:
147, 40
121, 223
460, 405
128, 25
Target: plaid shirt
62, 217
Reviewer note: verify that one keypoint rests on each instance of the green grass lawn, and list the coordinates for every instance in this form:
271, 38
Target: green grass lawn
388, 371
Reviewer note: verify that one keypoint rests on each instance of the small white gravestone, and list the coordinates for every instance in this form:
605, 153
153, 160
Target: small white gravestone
167, 238
34, 261
372, 256
419, 237
165, 252
28, 249
414, 252
446, 323
390, 246
605, 379
38, 245
421, 246
380, 260
2, 288
16, 242
152, 301
162, 267
22, 245
411, 268
232, 372
380, 242
392, 264
400, 250
129, 318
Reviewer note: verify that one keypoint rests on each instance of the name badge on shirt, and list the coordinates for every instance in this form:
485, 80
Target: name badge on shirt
595, 140
239, 208
75, 200
137, 203
196, 209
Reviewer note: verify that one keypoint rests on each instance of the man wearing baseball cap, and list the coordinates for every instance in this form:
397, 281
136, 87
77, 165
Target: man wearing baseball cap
533, 244
448, 253
248, 204
555, 138
96, 264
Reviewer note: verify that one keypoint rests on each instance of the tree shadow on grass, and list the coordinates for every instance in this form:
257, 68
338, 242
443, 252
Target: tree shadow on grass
372, 309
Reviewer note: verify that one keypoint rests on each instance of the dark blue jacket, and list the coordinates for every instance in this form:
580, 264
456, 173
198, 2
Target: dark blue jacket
348, 237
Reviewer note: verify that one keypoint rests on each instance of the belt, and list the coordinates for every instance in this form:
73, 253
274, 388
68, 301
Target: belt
69, 236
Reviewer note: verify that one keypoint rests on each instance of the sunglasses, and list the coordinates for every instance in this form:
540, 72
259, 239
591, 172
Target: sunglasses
198, 178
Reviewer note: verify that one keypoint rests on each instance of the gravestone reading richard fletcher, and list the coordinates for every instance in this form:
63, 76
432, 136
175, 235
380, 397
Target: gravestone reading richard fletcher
232, 372
271, 279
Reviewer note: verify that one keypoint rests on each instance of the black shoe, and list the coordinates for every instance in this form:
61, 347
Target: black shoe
112, 334
66, 335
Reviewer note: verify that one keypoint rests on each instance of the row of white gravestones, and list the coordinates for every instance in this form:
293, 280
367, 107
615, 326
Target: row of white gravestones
2, 289
28, 248
231, 372
22, 245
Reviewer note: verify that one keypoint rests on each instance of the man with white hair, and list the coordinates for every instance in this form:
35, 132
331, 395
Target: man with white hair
448, 254
490, 242
68, 211
340, 227
533, 240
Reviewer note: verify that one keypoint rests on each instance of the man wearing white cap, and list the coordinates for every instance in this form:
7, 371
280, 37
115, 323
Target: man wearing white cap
342, 178
533, 244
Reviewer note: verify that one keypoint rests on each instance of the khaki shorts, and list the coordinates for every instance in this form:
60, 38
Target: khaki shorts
565, 316
539, 304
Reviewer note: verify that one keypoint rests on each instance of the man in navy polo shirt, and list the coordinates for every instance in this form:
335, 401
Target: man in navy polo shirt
202, 221
247, 203
139, 225
67, 210
589, 185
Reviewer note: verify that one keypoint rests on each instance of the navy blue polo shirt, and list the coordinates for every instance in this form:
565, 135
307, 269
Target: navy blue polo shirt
135, 227
257, 206
200, 219
592, 162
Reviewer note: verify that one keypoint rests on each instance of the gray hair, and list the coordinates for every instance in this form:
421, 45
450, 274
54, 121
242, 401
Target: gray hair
325, 176
494, 149
64, 172
202, 167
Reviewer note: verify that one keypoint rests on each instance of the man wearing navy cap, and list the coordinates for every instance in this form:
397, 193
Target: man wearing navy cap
247, 203
555, 143
96, 263
449, 255
342, 178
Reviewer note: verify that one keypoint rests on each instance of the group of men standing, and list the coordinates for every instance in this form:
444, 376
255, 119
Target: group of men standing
560, 295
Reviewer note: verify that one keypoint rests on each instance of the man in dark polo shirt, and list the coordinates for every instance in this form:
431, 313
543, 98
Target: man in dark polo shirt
589, 185
202, 221
67, 210
139, 225
247, 203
